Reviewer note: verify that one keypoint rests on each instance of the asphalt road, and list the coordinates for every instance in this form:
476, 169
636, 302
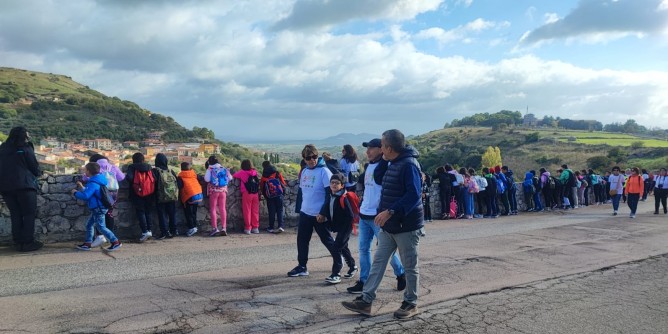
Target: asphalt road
582, 271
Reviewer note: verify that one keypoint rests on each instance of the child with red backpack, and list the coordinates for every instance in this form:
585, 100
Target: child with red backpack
272, 187
341, 209
142, 183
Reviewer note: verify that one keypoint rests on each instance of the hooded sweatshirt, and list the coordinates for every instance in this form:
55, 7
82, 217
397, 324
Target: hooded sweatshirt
544, 179
314, 183
19, 168
270, 173
106, 166
244, 175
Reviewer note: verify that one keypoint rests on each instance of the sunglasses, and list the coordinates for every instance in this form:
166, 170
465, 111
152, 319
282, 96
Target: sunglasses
313, 157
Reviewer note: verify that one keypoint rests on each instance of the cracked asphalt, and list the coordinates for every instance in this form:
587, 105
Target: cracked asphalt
582, 271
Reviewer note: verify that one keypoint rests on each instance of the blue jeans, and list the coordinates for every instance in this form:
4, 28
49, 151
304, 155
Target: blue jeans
275, 208
367, 230
512, 198
536, 201
96, 220
468, 201
408, 245
615, 201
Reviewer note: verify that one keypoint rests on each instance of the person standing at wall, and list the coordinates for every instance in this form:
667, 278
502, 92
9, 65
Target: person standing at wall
250, 197
19, 170
350, 166
272, 187
217, 177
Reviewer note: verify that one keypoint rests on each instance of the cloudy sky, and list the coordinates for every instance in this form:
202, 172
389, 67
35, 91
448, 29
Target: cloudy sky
307, 69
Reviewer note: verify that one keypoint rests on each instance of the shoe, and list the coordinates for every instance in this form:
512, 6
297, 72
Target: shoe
214, 233
169, 235
114, 246
298, 271
406, 311
358, 305
223, 233
270, 230
401, 282
333, 279
632, 216
191, 232
99, 241
357, 288
84, 247
351, 272
30, 247
280, 230
247, 232
614, 213
145, 236
656, 212
255, 231
161, 237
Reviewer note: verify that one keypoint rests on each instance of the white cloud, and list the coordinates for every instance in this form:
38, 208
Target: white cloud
460, 33
551, 18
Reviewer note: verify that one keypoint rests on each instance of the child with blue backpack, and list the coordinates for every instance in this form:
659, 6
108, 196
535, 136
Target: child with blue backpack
93, 193
272, 186
216, 178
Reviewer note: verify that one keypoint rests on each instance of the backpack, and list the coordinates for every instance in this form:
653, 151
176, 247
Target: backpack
143, 183
218, 177
500, 186
354, 203
551, 182
273, 187
252, 185
112, 183
353, 176
481, 182
473, 186
167, 189
453, 208
594, 179
536, 183
105, 199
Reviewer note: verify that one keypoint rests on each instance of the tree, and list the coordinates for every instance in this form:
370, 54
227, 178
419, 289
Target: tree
491, 157
532, 137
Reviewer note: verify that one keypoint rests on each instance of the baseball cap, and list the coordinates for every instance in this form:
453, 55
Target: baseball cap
372, 143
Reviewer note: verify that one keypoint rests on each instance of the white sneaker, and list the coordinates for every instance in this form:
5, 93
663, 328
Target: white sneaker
145, 236
191, 231
99, 241
281, 230
255, 231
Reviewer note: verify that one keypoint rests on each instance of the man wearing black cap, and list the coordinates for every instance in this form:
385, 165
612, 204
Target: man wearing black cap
400, 216
373, 177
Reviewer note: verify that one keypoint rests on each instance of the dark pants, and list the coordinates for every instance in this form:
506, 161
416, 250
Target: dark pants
340, 249
167, 212
512, 198
490, 201
143, 213
22, 206
660, 196
304, 232
480, 198
504, 200
586, 195
547, 194
275, 208
427, 207
633, 202
190, 211
598, 193
444, 197
645, 190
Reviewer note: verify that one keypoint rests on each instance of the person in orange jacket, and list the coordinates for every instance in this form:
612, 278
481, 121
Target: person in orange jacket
634, 189
190, 193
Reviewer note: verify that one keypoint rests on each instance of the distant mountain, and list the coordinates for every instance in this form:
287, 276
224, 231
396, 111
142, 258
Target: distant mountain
336, 140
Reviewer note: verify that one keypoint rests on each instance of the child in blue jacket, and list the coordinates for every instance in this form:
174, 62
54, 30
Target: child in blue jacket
91, 194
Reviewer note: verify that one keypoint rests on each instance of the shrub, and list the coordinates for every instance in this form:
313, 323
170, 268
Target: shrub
599, 162
532, 137
637, 144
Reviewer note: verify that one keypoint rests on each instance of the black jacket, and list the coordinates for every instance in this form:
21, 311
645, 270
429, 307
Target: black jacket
402, 190
19, 168
342, 221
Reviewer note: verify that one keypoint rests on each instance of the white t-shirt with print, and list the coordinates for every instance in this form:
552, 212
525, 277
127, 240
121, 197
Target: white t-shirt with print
371, 199
312, 184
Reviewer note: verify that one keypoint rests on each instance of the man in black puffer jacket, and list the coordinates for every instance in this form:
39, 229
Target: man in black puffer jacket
400, 216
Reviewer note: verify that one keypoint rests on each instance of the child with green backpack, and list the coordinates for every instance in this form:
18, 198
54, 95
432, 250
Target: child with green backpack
167, 192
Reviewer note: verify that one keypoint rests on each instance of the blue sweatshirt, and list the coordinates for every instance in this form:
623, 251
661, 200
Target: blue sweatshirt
91, 192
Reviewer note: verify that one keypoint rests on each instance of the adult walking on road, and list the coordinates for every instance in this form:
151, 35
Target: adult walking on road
373, 178
660, 191
400, 216
19, 170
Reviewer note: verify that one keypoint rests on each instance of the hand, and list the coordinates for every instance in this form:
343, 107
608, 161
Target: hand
321, 219
79, 185
73, 191
382, 218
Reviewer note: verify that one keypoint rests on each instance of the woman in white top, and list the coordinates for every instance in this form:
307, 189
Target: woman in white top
660, 191
350, 166
616, 181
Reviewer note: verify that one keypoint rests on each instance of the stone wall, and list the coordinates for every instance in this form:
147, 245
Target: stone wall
62, 218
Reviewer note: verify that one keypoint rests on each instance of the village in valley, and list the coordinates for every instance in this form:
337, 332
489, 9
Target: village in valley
60, 157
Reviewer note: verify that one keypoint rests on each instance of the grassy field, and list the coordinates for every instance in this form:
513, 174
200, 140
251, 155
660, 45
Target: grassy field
596, 138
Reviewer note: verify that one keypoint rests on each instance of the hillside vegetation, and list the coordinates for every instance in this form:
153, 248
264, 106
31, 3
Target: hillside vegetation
526, 149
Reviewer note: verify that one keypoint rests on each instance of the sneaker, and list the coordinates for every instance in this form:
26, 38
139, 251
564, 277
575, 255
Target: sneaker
145, 236
214, 233
357, 288
298, 271
333, 279
114, 246
351, 272
223, 233
99, 241
247, 232
270, 230
614, 213
161, 237
358, 305
406, 311
169, 235
191, 232
401, 282
632, 216
280, 230
84, 247
656, 212
31, 246
255, 231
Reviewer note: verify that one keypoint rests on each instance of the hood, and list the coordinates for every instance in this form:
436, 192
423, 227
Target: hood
528, 176
103, 163
142, 167
321, 163
268, 171
161, 161
547, 174
409, 152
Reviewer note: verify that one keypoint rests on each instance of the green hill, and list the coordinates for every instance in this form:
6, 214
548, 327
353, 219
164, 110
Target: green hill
526, 149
